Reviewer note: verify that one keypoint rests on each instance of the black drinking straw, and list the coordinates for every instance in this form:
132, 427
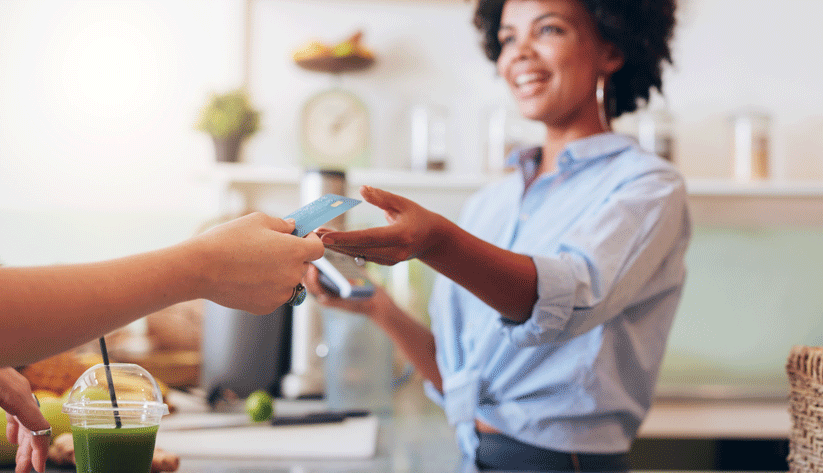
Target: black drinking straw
105, 354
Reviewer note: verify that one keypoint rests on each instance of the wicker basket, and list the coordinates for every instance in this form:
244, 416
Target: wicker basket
805, 370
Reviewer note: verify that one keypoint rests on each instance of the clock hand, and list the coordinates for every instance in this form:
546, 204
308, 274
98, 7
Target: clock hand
342, 120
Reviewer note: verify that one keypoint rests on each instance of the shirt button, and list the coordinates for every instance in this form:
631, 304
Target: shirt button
524, 217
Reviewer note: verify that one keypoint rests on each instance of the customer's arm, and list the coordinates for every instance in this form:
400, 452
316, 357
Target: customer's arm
251, 263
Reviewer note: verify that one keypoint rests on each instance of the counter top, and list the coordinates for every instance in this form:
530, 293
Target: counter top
417, 438
717, 419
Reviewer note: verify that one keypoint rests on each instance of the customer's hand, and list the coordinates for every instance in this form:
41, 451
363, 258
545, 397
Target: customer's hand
411, 232
22, 417
253, 263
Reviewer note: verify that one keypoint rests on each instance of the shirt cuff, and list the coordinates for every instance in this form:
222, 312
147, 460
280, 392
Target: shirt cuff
460, 395
553, 309
433, 393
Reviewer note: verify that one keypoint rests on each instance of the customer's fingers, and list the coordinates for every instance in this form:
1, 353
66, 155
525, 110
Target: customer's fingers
22, 459
12, 427
28, 415
40, 452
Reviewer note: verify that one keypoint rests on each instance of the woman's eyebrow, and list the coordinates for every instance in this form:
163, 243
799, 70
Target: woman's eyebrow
536, 20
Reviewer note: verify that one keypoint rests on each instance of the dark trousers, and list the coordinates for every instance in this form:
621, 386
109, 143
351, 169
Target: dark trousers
500, 452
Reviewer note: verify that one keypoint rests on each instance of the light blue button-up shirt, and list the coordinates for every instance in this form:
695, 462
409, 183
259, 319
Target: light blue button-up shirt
608, 233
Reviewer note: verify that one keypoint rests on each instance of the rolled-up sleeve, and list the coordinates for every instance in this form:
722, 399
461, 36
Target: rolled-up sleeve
608, 260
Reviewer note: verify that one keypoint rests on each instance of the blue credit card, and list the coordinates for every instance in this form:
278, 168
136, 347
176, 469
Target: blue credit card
315, 214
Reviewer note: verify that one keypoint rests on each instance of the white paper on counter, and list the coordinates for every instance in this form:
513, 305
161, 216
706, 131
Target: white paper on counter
354, 438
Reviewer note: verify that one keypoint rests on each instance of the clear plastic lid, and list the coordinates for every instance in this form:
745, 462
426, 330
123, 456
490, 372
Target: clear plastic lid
137, 394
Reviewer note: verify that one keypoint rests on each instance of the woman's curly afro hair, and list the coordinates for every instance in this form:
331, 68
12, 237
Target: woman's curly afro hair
640, 29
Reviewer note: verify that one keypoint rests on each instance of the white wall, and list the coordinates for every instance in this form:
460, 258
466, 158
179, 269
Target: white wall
730, 55
736, 54
98, 100
426, 54
97, 106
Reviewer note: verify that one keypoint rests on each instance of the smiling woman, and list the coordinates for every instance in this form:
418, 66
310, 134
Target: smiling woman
558, 288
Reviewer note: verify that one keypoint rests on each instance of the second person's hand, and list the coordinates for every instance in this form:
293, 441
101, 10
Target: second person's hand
379, 307
22, 417
411, 232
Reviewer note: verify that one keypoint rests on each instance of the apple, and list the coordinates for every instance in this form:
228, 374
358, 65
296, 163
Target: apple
346, 48
7, 450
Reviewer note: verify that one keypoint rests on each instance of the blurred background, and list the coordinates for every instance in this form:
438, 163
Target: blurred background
100, 157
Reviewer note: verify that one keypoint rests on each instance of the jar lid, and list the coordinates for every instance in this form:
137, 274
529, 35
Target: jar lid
136, 390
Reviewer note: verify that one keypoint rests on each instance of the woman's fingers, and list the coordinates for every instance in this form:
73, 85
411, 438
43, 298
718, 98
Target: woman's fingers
360, 306
382, 199
313, 285
374, 255
376, 237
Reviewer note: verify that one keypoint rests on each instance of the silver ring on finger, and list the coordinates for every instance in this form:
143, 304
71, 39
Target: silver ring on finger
360, 260
297, 296
41, 433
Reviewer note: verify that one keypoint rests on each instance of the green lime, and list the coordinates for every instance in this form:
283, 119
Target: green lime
259, 406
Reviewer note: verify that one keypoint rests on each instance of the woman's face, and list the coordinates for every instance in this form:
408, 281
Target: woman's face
551, 58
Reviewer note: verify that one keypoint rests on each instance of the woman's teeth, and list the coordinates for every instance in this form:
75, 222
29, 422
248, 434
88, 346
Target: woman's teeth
526, 78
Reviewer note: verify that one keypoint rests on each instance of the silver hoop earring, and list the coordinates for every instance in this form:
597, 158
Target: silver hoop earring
601, 102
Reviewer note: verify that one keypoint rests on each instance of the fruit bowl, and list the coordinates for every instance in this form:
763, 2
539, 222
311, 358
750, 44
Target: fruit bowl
347, 55
335, 64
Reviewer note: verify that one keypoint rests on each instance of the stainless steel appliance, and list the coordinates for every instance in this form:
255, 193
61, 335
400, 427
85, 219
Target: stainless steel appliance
281, 352
305, 378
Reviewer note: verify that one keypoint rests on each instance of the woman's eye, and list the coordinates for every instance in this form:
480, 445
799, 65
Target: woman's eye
550, 29
504, 40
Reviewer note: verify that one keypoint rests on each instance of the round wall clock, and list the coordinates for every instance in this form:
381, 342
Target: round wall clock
335, 129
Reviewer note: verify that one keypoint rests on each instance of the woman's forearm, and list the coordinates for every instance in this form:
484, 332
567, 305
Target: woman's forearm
504, 280
414, 340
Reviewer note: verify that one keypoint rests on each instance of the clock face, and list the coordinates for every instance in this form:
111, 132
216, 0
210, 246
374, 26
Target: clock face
335, 129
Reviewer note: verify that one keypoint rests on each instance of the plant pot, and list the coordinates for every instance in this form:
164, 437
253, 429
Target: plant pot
227, 150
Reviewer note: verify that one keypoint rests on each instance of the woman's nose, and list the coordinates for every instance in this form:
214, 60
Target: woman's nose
524, 48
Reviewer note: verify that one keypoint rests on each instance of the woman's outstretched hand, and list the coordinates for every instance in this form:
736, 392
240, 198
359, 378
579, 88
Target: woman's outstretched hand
412, 231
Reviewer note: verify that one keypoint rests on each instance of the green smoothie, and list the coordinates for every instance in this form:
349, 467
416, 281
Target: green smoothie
110, 450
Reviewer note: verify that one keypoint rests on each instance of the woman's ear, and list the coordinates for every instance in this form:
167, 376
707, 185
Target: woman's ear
611, 59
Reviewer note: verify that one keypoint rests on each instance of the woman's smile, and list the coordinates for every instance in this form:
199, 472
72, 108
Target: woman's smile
529, 84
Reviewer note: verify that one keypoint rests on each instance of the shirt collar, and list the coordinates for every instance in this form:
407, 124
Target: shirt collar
579, 151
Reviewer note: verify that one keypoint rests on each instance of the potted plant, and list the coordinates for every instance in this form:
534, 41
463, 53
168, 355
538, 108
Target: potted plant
229, 118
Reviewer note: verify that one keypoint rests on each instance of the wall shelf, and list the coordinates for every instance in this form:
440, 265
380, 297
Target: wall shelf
731, 188
244, 175
250, 186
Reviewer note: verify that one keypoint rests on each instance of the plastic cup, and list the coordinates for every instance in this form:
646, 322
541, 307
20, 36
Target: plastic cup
109, 439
